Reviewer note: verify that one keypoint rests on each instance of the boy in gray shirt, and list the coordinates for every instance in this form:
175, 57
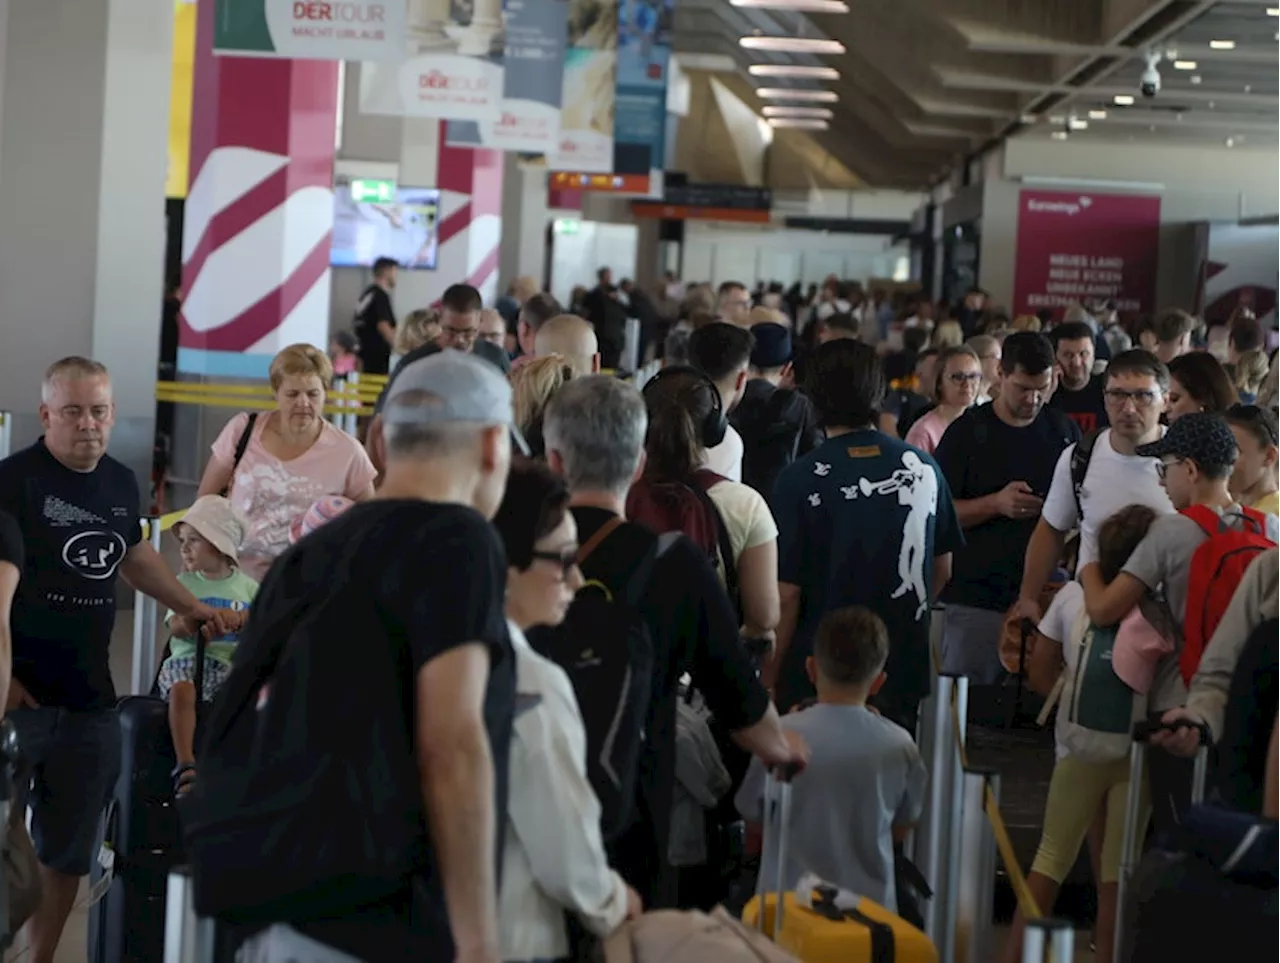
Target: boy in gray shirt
864, 784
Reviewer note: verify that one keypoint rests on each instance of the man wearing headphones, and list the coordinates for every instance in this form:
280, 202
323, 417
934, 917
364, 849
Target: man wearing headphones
723, 352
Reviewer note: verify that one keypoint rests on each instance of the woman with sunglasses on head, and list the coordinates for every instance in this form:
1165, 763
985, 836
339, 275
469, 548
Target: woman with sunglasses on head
553, 859
1254, 481
955, 391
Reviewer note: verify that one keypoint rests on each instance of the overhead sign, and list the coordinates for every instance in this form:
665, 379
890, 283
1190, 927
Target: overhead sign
731, 196
675, 212
1075, 247
368, 191
311, 29
612, 183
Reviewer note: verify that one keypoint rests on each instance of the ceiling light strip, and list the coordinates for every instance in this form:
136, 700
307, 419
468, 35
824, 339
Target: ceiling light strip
809, 45
804, 6
820, 112
797, 123
797, 93
797, 71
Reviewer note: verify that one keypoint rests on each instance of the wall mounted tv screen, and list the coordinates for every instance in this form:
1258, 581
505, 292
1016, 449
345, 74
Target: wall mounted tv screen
404, 229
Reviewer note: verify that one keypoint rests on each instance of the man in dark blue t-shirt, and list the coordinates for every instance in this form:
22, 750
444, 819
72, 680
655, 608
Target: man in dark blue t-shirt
77, 514
863, 519
999, 460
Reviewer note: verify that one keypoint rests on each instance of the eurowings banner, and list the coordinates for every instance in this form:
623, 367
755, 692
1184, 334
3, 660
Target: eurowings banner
311, 29
532, 83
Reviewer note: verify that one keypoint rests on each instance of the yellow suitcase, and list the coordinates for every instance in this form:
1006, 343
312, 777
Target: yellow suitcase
824, 933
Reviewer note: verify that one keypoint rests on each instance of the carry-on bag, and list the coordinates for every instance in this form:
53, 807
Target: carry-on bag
141, 836
815, 923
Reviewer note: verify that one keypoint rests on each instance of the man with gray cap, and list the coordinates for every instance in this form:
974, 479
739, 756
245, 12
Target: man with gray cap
378, 670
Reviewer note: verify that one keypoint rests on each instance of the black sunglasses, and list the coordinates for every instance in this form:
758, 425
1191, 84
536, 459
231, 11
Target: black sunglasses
566, 559
1255, 416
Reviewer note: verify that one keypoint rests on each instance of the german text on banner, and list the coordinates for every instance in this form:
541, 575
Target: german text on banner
532, 83
454, 67
311, 29
590, 78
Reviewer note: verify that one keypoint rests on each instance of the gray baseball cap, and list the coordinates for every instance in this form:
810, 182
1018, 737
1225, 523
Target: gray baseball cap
469, 389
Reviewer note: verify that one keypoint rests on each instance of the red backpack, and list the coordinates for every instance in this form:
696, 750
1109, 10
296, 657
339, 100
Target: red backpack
1217, 566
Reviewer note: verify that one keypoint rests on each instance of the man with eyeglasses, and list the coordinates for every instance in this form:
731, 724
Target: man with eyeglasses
735, 303
999, 461
460, 314
1112, 475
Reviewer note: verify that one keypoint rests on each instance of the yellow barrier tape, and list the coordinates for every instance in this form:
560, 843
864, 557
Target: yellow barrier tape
258, 404
360, 391
166, 522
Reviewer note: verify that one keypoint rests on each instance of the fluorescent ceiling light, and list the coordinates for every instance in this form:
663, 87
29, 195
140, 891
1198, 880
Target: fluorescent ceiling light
1222, 45
1097, 115
1184, 65
809, 45
1273, 11
807, 6
1077, 124
789, 93
1124, 100
798, 123
793, 70
822, 113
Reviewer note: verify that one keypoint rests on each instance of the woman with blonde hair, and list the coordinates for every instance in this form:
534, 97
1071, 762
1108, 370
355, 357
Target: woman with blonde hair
1250, 371
948, 334
415, 330
533, 385
1026, 322
274, 465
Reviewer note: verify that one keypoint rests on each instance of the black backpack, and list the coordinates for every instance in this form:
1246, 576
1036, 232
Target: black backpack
328, 824
771, 438
604, 647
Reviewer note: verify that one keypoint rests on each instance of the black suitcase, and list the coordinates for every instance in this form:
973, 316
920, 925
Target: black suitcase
140, 836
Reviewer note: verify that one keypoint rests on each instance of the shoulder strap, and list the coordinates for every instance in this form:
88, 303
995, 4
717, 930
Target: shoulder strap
1080, 459
603, 532
699, 488
242, 445
1204, 516
1255, 518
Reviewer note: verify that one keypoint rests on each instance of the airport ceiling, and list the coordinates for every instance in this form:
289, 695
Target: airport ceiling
924, 84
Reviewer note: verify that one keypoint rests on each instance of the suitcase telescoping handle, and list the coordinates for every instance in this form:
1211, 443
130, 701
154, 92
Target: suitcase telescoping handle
775, 833
1143, 730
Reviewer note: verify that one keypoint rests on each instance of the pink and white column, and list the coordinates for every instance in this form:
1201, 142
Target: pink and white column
259, 214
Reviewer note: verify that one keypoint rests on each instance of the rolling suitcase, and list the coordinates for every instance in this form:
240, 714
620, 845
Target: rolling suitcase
1216, 874
140, 837
811, 925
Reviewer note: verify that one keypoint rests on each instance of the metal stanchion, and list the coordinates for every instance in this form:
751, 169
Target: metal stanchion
934, 839
1048, 941
349, 420
144, 628
187, 937
977, 860
6, 433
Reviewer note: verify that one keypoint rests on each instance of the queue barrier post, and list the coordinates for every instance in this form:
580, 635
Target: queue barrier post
1048, 940
6, 434
348, 420
933, 842
144, 626
974, 897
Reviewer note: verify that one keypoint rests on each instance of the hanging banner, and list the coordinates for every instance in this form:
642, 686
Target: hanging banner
532, 83
1086, 248
644, 57
590, 80
455, 72
311, 29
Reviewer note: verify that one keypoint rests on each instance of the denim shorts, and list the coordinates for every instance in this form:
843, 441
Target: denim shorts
73, 759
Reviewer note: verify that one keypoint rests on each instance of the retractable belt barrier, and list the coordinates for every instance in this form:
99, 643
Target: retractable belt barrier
960, 835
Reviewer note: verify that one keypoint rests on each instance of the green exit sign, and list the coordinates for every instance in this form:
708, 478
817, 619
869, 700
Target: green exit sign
566, 225
367, 191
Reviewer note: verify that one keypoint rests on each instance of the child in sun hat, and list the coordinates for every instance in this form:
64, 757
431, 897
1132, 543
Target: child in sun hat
210, 535
322, 510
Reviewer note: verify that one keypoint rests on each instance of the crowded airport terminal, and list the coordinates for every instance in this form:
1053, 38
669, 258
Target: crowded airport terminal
639, 481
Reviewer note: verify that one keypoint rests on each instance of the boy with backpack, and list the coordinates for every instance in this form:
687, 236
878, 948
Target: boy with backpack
864, 785
1196, 558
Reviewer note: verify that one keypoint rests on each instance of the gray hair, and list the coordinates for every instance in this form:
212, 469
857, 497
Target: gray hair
73, 366
597, 425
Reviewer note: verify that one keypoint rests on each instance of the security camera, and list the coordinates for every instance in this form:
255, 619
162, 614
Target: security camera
1150, 85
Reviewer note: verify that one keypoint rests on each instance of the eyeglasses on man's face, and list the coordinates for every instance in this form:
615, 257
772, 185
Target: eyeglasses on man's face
1141, 399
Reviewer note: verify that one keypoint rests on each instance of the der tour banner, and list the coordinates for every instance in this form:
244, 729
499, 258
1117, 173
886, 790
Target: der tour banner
1090, 248
311, 29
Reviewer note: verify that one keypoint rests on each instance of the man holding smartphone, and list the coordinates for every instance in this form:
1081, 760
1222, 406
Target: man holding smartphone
999, 461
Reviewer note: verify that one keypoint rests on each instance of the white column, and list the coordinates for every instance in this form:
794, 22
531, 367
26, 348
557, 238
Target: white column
84, 113
524, 222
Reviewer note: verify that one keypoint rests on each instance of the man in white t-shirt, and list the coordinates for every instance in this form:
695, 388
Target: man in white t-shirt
1135, 392
722, 352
